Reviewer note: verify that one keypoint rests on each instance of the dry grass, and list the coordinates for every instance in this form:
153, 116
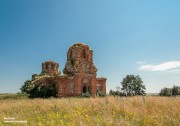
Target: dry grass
109, 111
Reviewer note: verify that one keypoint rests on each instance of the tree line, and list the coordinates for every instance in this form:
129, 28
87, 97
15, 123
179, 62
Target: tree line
132, 85
175, 90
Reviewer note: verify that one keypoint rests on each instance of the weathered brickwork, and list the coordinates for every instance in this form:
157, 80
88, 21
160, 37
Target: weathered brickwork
50, 68
79, 74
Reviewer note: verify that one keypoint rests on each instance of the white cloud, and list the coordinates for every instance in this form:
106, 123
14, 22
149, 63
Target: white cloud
166, 66
174, 71
140, 62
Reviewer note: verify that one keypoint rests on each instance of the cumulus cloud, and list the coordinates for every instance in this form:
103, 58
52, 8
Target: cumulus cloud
171, 66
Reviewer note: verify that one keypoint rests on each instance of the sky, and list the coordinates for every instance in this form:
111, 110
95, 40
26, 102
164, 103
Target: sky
140, 37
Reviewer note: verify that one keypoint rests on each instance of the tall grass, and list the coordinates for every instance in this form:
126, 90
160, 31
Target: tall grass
108, 111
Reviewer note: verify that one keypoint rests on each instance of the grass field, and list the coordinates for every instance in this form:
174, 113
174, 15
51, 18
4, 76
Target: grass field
13, 96
108, 111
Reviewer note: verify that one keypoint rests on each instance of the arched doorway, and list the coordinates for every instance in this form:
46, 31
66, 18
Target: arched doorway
84, 89
99, 87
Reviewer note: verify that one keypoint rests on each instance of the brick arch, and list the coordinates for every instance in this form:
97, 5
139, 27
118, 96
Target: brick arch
84, 53
85, 85
71, 88
99, 86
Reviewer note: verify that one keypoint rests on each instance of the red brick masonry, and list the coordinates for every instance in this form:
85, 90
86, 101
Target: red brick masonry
79, 74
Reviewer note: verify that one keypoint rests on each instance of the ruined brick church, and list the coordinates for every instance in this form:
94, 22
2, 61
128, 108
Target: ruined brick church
79, 74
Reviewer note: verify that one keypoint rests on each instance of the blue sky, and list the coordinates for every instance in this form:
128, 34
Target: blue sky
140, 37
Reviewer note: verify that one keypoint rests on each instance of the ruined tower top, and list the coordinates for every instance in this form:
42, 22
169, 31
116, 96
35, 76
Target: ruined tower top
79, 60
50, 68
79, 51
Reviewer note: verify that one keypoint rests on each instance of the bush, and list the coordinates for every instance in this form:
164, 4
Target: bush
43, 92
86, 95
38, 91
27, 87
100, 93
116, 93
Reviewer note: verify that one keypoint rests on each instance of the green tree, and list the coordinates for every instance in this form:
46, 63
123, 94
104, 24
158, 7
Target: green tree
27, 87
43, 91
133, 85
175, 90
165, 92
38, 91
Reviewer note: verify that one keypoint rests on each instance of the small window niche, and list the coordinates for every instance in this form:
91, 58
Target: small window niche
71, 54
84, 53
52, 66
46, 66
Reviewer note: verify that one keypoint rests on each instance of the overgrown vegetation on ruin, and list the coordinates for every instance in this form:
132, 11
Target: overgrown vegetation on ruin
38, 91
107, 111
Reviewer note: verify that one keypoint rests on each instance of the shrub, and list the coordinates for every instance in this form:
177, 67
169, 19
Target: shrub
100, 93
116, 93
27, 87
43, 92
87, 95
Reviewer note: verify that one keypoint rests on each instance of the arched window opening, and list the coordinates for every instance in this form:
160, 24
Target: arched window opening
71, 54
52, 66
71, 88
99, 87
89, 89
84, 53
46, 66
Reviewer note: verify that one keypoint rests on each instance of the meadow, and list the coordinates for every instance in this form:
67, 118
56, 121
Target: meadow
107, 111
